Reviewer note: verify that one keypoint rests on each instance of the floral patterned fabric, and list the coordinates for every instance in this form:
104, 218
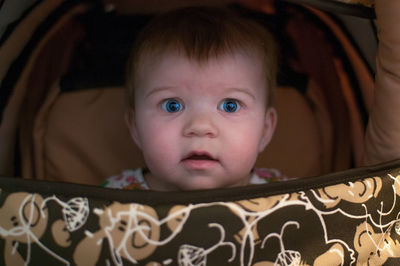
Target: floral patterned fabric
347, 218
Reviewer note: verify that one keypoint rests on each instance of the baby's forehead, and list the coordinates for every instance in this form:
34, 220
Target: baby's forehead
229, 73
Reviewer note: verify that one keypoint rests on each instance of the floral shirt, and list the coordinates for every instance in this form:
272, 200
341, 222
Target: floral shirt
134, 179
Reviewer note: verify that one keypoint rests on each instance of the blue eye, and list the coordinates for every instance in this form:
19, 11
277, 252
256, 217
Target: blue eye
230, 105
172, 106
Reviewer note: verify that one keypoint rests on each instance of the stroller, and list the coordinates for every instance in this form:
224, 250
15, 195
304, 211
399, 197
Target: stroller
62, 133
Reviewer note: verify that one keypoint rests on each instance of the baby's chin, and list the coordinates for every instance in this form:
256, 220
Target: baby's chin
207, 183
193, 182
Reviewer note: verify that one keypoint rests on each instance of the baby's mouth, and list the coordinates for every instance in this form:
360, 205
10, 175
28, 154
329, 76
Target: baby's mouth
200, 156
199, 161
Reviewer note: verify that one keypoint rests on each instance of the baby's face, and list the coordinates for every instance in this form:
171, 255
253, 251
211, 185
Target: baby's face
201, 126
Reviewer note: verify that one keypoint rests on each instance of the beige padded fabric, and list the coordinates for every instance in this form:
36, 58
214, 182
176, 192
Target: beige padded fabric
81, 137
8, 52
369, 3
86, 139
383, 137
296, 148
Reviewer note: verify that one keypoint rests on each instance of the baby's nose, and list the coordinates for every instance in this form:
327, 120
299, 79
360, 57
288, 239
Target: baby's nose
200, 125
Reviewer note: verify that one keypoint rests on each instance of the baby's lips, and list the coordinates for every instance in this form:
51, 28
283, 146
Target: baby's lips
199, 155
199, 161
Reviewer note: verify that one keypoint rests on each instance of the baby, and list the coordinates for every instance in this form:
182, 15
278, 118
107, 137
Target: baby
200, 86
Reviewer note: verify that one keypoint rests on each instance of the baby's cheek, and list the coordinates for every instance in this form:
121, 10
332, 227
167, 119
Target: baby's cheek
160, 151
243, 154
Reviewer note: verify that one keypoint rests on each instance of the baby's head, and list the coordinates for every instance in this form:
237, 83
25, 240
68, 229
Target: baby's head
200, 86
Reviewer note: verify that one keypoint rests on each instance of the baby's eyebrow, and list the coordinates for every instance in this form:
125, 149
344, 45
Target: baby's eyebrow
157, 90
242, 90
228, 89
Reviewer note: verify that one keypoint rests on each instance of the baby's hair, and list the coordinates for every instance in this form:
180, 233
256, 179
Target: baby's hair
200, 34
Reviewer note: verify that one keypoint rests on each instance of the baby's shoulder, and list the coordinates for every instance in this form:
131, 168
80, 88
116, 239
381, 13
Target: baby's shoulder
267, 175
131, 179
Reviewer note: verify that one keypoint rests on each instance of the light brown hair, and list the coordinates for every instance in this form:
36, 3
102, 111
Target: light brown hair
201, 33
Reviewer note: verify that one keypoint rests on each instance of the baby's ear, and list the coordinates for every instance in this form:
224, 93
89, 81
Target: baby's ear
131, 123
271, 119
